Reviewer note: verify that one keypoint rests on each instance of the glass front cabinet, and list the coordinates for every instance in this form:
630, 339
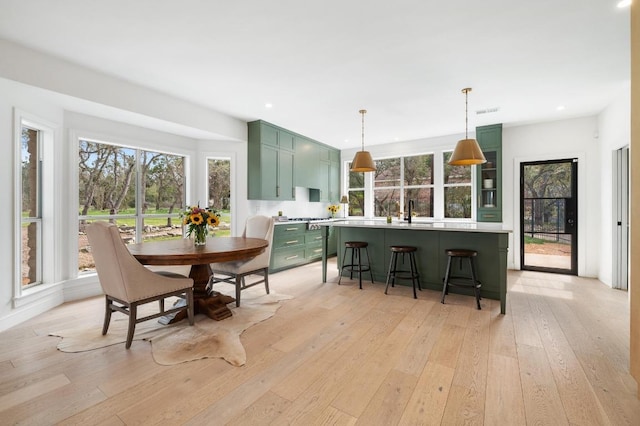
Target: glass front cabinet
489, 174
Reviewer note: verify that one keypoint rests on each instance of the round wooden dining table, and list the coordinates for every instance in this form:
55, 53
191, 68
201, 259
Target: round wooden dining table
184, 252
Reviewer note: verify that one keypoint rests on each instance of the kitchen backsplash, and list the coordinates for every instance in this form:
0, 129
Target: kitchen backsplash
302, 207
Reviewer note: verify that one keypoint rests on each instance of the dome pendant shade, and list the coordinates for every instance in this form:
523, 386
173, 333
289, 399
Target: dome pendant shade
362, 161
467, 153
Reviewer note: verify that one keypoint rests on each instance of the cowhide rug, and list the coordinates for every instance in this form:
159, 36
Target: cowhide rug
180, 342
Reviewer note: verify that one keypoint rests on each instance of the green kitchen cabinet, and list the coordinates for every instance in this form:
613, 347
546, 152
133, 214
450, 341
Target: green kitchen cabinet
306, 164
280, 160
295, 245
270, 162
489, 174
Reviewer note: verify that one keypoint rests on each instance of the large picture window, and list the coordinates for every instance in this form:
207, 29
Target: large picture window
435, 188
141, 191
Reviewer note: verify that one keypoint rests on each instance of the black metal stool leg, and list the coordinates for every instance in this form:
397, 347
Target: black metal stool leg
393, 255
344, 258
476, 289
366, 249
415, 267
414, 274
446, 280
359, 256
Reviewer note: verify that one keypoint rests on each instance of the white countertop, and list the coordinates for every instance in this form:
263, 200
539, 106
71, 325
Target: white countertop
421, 225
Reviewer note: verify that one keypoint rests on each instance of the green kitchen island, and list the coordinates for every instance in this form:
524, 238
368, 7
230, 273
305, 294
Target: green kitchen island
432, 239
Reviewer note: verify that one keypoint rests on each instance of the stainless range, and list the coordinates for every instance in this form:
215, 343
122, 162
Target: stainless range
313, 223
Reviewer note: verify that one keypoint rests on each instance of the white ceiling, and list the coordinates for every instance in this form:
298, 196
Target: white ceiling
319, 62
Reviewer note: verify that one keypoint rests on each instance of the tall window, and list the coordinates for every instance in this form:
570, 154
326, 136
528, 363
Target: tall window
142, 192
356, 192
386, 187
219, 183
419, 184
457, 189
31, 206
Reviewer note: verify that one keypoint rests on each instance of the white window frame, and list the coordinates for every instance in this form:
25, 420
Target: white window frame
48, 133
75, 137
438, 186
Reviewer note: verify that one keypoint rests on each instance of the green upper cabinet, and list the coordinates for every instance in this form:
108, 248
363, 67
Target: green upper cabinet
270, 162
489, 174
280, 160
306, 164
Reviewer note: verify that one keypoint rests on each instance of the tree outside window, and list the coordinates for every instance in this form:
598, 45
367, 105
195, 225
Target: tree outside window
457, 189
142, 192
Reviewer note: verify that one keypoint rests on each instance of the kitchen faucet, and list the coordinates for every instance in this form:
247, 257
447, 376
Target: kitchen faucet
411, 206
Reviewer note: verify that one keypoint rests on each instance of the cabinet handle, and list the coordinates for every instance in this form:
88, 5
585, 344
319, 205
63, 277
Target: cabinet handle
317, 251
291, 229
318, 238
489, 215
295, 256
292, 242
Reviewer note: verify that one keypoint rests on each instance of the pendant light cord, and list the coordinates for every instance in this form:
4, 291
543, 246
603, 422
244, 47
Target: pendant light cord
466, 111
363, 112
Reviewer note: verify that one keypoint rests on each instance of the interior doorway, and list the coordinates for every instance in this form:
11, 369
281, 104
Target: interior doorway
549, 216
620, 194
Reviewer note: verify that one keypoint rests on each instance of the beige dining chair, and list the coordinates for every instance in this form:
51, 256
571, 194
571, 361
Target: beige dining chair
235, 272
128, 284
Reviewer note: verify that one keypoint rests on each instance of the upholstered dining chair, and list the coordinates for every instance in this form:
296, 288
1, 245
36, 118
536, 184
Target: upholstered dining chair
235, 272
128, 284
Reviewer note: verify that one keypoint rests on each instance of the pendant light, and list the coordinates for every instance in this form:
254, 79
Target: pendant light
362, 162
467, 150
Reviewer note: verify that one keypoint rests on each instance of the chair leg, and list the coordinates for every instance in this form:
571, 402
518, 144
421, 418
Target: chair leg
133, 314
190, 313
107, 315
265, 271
353, 251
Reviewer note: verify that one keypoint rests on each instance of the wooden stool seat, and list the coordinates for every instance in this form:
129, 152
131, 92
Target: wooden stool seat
400, 274
356, 254
458, 280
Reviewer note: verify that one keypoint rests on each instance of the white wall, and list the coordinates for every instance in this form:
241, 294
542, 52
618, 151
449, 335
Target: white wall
81, 102
574, 138
564, 139
615, 132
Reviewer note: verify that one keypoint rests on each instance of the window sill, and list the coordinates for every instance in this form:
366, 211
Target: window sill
37, 293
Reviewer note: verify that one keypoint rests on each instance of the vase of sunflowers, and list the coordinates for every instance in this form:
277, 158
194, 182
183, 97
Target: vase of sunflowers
198, 221
333, 209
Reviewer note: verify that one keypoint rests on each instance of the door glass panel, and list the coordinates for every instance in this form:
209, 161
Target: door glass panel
549, 219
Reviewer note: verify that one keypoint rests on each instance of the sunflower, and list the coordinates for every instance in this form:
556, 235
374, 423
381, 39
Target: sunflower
196, 219
213, 220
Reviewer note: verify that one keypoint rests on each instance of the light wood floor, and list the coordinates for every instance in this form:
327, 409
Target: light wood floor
340, 355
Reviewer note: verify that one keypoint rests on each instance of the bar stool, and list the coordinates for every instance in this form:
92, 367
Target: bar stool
461, 281
355, 247
395, 273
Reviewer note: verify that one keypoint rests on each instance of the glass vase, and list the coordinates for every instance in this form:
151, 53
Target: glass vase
200, 235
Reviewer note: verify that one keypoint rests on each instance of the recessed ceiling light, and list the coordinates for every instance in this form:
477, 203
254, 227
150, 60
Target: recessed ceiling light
268, 105
624, 3
560, 108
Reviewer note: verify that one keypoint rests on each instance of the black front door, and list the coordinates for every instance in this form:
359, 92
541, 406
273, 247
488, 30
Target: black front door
549, 216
